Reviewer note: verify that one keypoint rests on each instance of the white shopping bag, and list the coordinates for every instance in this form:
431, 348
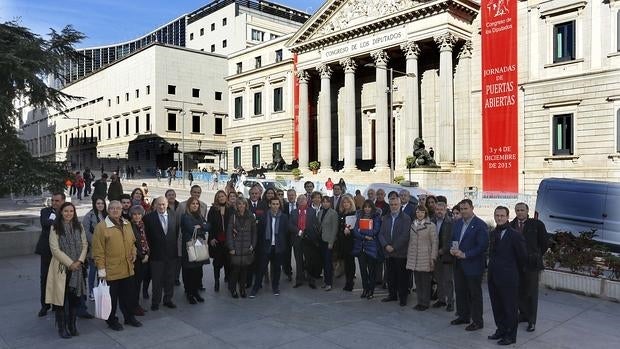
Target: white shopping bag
103, 301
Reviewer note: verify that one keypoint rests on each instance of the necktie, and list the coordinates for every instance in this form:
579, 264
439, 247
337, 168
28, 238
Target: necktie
164, 223
520, 226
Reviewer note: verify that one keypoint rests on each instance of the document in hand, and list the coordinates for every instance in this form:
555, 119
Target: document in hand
365, 224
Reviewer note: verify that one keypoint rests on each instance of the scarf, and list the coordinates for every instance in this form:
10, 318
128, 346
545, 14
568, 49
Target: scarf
301, 221
144, 245
71, 244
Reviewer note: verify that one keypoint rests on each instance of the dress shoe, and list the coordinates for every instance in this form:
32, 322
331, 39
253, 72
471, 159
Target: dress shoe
86, 315
216, 286
371, 295
495, 336
138, 311
133, 322
402, 303
348, 287
170, 305
420, 307
506, 341
297, 285
289, 277
450, 308
191, 299
328, 288
145, 295
243, 294
364, 294
531, 327
43, 311
459, 321
116, 326
199, 297
312, 285
202, 289
234, 294
155, 307
276, 292
177, 283
389, 299
439, 304
473, 327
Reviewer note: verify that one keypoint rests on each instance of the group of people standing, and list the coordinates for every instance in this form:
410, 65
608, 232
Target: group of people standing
405, 245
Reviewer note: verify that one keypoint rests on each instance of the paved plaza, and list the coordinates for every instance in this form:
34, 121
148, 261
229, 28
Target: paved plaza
298, 318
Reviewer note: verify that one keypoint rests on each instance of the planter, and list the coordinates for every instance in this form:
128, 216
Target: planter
315, 172
560, 280
611, 289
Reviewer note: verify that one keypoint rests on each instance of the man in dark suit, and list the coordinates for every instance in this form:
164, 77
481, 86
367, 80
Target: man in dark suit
470, 239
47, 217
406, 206
335, 200
258, 208
444, 271
535, 234
161, 229
288, 208
311, 240
506, 258
274, 231
394, 239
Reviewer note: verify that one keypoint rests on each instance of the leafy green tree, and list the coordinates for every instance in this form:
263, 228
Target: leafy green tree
26, 60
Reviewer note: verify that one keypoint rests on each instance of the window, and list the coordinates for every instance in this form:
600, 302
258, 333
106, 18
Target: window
118, 100
196, 123
212, 26
237, 157
277, 99
127, 97
148, 89
98, 133
137, 93
238, 107
109, 102
239, 67
258, 103
224, 43
256, 155
218, 96
202, 31
172, 122
224, 21
258, 35
273, 36
109, 130
277, 147
218, 126
148, 122
278, 55
213, 48
618, 129
618, 31
563, 134
118, 129
137, 124
172, 90
126, 127
191, 36
196, 92
257, 62
564, 42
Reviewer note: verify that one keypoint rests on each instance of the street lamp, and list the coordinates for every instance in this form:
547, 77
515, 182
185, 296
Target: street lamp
183, 103
390, 91
78, 138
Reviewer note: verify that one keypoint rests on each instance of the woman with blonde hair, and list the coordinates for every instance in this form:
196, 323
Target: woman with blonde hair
192, 221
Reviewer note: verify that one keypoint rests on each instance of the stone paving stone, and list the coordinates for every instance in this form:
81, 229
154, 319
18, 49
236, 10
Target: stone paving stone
155, 331
265, 333
368, 334
310, 342
578, 336
193, 342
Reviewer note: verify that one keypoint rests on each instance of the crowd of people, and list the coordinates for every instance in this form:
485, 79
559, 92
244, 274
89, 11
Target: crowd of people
407, 246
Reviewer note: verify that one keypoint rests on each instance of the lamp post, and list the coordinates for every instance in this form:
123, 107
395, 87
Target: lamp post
78, 138
390, 91
183, 103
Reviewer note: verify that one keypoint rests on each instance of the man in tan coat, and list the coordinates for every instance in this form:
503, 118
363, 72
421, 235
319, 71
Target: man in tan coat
114, 252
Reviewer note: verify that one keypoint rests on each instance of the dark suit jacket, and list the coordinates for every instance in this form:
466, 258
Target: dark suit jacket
474, 244
336, 206
399, 238
445, 241
409, 210
535, 234
281, 236
163, 246
43, 245
506, 257
286, 208
313, 226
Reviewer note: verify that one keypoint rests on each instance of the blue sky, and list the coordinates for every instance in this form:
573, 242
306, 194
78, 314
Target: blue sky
109, 21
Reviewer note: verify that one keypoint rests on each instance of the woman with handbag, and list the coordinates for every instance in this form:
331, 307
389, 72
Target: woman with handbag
241, 238
193, 228
218, 217
66, 278
366, 246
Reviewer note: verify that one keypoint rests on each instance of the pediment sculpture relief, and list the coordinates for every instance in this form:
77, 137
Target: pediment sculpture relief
360, 11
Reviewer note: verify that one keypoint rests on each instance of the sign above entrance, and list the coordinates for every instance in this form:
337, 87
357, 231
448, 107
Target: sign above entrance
362, 45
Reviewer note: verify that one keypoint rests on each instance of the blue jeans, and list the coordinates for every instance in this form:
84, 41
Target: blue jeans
368, 266
328, 267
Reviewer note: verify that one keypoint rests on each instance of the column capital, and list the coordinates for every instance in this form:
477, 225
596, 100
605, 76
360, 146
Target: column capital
466, 50
445, 41
303, 76
325, 71
411, 49
349, 64
380, 57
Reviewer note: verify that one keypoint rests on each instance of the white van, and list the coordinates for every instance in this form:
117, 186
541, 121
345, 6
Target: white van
581, 205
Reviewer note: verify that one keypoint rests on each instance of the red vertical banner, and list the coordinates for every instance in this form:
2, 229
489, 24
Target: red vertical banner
295, 109
500, 138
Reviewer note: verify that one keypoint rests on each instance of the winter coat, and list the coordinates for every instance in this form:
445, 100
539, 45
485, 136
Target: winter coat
115, 190
241, 237
188, 222
423, 243
114, 250
89, 222
329, 226
372, 247
57, 272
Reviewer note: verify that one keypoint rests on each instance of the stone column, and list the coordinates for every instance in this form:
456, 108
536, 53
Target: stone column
304, 134
382, 133
349, 66
411, 117
462, 117
325, 118
445, 119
